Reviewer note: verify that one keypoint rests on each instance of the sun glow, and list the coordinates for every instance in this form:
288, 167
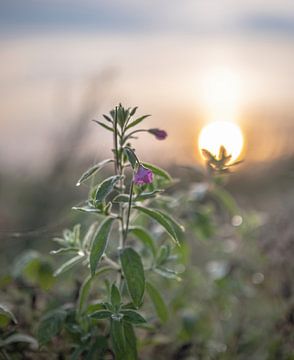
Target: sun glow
221, 133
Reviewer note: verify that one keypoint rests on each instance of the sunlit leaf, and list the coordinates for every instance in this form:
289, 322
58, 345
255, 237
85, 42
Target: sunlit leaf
158, 171
131, 157
93, 170
172, 227
69, 264
167, 273
106, 187
5, 311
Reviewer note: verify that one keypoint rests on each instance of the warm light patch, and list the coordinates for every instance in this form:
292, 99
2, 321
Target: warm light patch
219, 133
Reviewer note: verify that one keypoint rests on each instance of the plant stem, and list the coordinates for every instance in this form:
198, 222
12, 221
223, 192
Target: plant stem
129, 213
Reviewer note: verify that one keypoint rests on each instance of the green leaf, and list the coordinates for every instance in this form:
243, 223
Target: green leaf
93, 170
50, 325
121, 198
101, 314
172, 227
20, 338
167, 273
132, 317
115, 297
131, 342
89, 237
163, 254
86, 288
131, 157
118, 338
226, 200
134, 274
87, 209
158, 171
5, 311
103, 125
64, 251
100, 243
157, 300
69, 264
144, 236
133, 110
137, 121
106, 187
148, 195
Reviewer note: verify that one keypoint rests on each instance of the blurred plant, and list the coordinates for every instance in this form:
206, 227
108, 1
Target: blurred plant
12, 342
118, 201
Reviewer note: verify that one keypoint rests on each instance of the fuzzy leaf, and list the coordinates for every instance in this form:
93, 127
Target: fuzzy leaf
144, 236
100, 243
93, 170
50, 325
131, 157
106, 187
101, 314
134, 274
158, 171
4, 310
172, 227
69, 264
132, 317
158, 302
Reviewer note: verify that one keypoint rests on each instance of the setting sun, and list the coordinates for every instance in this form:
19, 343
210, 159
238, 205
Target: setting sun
219, 133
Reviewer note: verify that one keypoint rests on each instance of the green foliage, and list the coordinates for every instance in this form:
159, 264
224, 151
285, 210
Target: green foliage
51, 325
133, 271
100, 243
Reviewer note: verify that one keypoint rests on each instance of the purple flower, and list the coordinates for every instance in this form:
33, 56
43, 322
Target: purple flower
159, 134
143, 176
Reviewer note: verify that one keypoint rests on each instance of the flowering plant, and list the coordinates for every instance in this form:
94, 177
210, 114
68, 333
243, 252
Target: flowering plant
117, 248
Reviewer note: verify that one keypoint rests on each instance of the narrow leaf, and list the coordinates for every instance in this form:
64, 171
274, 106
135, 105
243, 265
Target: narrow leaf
121, 198
148, 195
131, 342
115, 297
69, 264
131, 157
137, 121
167, 273
101, 314
134, 274
118, 338
158, 171
100, 243
86, 287
172, 227
132, 317
106, 187
158, 302
103, 125
65, 251
93, 170
4, 310
144, 236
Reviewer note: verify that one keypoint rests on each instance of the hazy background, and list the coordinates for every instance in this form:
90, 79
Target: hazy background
186, 63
